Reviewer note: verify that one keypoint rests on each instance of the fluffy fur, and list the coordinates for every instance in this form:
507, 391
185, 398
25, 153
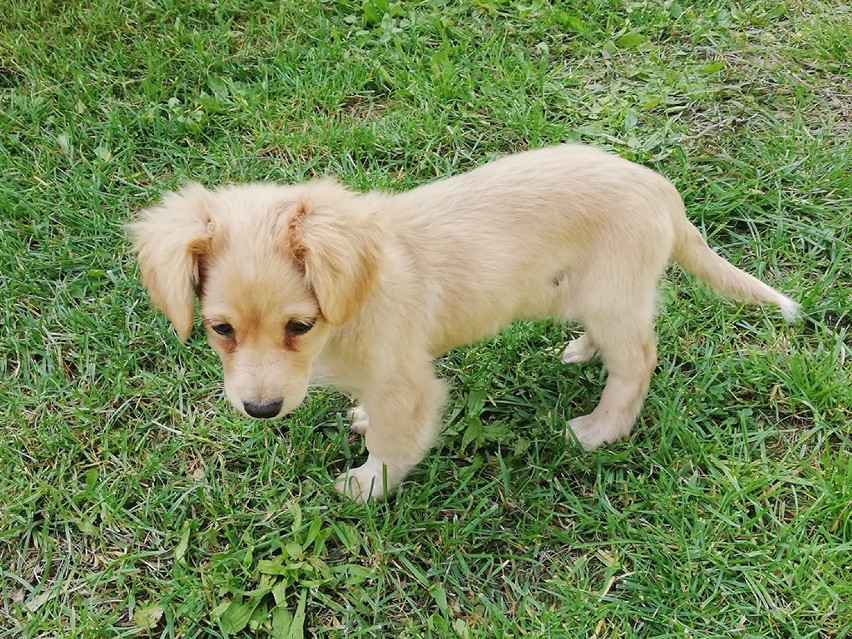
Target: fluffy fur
313, 283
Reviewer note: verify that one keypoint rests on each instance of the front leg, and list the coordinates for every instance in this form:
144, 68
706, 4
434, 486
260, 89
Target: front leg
404, 419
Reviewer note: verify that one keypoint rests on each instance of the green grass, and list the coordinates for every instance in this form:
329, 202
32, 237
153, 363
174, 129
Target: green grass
133, 501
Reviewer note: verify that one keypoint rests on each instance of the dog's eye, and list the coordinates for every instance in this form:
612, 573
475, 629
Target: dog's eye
224, 329
299, 327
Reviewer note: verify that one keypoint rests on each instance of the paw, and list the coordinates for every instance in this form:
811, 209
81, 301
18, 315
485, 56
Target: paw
589, 433
365, 482
579, 351
360, 420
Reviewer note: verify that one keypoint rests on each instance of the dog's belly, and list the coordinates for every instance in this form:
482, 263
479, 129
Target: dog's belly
483, 315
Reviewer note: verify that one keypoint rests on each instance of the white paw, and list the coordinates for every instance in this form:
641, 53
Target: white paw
579, 351
360, 420
365, 482
587, 431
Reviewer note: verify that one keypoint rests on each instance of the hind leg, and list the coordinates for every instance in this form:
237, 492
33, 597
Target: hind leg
629, 353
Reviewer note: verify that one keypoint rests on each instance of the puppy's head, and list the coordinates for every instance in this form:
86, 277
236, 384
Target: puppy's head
275, 268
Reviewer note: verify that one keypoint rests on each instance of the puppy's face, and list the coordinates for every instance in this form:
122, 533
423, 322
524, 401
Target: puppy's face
275, 270
265, 323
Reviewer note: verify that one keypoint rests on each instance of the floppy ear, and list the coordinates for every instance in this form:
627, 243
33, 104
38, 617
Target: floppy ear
339, 247
169, 240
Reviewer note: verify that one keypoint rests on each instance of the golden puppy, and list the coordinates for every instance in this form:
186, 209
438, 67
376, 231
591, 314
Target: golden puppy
362, 291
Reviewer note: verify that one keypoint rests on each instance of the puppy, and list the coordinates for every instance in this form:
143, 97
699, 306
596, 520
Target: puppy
314, 283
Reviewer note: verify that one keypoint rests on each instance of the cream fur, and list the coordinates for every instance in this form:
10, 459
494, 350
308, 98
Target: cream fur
393, 280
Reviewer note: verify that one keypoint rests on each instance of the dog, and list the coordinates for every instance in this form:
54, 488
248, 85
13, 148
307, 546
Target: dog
315, 283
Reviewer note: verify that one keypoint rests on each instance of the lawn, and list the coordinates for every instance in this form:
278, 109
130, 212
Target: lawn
135, 502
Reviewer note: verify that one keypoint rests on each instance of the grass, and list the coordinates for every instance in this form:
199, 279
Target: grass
134, 502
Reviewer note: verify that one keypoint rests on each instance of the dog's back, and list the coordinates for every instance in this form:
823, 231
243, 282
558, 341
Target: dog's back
544, 233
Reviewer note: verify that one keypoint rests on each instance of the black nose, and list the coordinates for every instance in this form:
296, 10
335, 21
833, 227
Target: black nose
263, 410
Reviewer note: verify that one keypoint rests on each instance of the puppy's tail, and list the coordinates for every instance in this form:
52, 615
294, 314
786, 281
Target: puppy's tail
692, 253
